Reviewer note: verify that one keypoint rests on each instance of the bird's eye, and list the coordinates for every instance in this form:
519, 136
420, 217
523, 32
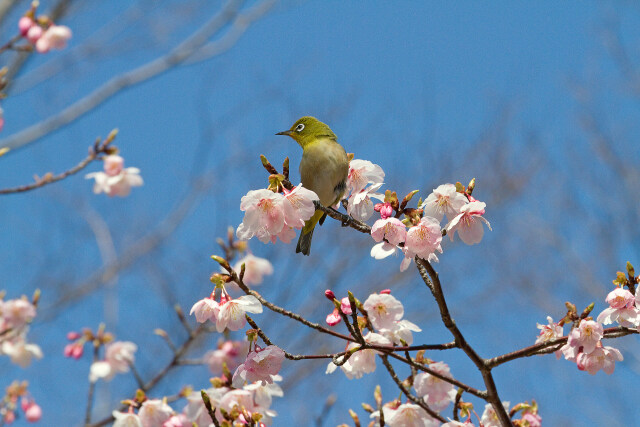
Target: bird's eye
299, 127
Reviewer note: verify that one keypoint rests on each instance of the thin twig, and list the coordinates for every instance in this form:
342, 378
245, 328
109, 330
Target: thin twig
408, 393
92, 388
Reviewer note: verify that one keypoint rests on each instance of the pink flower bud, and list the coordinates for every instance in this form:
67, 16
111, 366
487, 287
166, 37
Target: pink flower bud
77, 352
34, 413
34, 33
24, 24
334, 318
386, 291
25, 403
329, 294
68, 350
73, 335
9, 417
345, 305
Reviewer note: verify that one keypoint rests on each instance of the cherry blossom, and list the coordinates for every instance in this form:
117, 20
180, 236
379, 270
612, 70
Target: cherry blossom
361, 173
359, 204
24, 24
33, 413
383, 310
154, 412
299, 206
333, 318
408, 415
362, 361
231, 312
444, 200
533, 420
54, 37
600, 358
196, 412
20, 351
436, 392
118, 356
621, 309
233, 353
205, 309
587, 335
255, 269
261, 365
270, 215
128, 419
424, 239
112, 183
489, 417
391, 229
400, 332
550, 332
468, 223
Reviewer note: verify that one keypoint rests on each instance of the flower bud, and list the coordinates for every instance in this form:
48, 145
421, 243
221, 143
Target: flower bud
24, 24
329, 294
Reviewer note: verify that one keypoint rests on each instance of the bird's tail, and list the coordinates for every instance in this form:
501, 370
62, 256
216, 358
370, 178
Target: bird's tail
304, 242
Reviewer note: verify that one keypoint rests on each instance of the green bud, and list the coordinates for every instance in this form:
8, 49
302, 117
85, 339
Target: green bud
630, 270
354, 417
471, 186
459, 187
223, 262
368, 408
377, 396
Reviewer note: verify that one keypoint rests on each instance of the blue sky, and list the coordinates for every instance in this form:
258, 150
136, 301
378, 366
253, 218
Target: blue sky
411, 86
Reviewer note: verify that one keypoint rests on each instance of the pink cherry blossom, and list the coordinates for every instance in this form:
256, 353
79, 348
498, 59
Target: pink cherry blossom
600, 358
195, 411
444, 200
391, 229
154, 412
55, 37
20, 352
119, 355
468, 223
299, 206
362, 361
424, 239
115, 184
436, 392
400, 331
16, 313
359, 204
242, 399
127, 419
587, 335
550, 332
231, 312
621, 309
261, 365
361, 173
178, 420
264, 215
233, 353
255, 269
489, 417
74, 350
408, 415
383, 310
205, 309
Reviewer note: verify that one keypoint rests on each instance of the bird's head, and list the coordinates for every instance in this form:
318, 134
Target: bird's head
308, 129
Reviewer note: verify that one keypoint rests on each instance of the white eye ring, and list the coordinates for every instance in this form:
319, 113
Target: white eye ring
299, 127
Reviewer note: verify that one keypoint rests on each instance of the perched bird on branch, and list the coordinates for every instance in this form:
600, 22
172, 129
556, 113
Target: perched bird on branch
323, 169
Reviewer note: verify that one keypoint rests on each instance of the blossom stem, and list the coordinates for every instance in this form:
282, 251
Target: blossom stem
284, 312
408, 393
92, 387
431, 279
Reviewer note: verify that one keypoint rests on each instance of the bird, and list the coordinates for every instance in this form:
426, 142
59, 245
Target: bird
323, 169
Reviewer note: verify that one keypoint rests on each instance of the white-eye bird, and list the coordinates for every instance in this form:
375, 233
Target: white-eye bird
323, 169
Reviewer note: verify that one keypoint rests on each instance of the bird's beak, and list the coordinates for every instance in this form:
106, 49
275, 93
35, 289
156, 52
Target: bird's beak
286, 132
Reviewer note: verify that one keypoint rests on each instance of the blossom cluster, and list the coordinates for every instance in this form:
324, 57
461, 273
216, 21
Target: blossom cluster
424, 234
42, 33
584, 342
253, 401
271, 215
17, 395
15, 317
226, 313
116, 180
385, 313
